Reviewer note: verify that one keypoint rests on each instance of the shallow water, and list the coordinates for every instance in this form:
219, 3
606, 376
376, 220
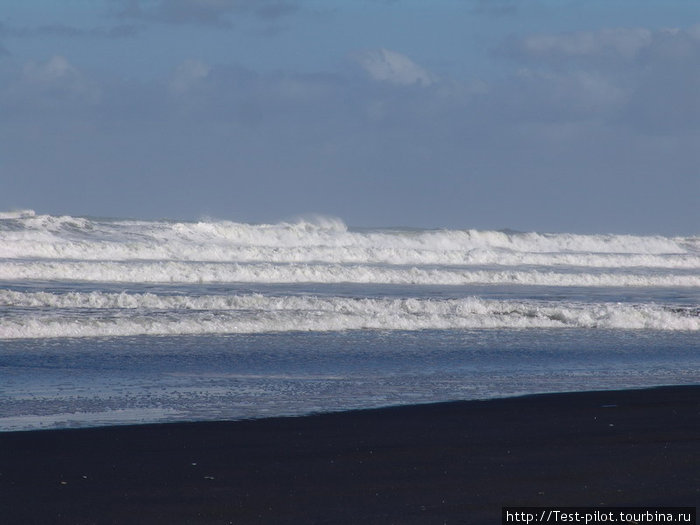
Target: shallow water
93, 381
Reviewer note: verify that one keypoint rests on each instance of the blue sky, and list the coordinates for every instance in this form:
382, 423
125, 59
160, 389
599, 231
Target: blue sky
524, 114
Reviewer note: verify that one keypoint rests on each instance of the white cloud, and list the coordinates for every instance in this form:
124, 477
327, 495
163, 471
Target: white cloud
494, 7
610, 46
694, 31
620, 42
207, 12
58, 77
647, 79
389, 66
69, 31
188, 74
565, 96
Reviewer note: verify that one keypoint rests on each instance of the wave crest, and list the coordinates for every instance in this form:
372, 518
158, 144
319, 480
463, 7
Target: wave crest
118, 314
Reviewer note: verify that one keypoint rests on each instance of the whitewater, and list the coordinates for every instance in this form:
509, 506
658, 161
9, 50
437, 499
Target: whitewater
112, 320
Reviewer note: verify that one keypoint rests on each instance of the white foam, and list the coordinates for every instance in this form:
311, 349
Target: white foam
383, 253
319, 250
188, 272
112, 314
17, 214
119, 416
329, 241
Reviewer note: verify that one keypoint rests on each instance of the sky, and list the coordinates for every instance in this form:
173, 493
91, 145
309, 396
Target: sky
532, 115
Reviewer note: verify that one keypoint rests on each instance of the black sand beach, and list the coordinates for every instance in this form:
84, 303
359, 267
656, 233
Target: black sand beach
444, 463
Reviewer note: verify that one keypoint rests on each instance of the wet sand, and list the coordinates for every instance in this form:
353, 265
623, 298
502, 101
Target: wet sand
455, 463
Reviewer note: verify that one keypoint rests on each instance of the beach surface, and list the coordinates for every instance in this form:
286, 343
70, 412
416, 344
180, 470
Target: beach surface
457, 462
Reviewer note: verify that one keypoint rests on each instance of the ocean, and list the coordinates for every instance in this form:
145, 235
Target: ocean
121, 321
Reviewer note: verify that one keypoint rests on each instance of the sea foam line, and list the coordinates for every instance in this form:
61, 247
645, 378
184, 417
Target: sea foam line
112, 314
318, 232
182, 272
351, 254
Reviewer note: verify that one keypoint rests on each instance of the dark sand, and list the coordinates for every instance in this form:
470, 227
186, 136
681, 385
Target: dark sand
445, 463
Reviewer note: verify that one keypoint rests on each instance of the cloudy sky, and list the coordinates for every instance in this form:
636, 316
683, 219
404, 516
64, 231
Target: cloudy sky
548, 115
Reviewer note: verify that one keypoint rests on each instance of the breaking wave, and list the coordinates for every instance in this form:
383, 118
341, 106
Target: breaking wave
309, 259
77, 314
328, 240
195, 272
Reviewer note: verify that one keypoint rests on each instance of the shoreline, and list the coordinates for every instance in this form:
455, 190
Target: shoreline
452, 462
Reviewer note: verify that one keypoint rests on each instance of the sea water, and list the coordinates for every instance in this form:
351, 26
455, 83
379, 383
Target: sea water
116, 321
